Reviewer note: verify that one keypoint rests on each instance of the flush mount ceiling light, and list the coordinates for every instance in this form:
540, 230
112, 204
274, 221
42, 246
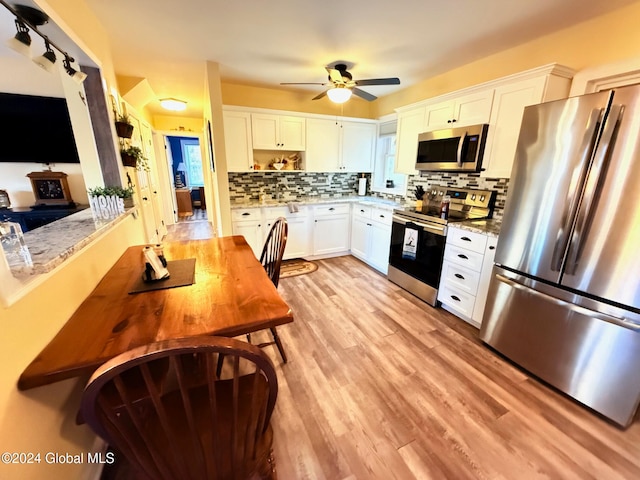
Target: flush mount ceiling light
339, 94
21, 43
173, 104
31, 18
47, 60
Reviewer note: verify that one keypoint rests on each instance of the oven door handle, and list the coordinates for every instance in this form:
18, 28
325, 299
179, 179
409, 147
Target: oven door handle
437, 229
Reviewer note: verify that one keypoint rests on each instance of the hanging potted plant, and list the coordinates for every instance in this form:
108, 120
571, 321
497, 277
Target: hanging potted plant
124, 129
133, 157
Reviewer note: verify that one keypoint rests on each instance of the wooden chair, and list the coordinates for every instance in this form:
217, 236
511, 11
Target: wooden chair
164, 408
271, 259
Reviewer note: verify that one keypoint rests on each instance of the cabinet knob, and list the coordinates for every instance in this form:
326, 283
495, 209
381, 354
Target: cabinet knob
331, 209
466, 239
145, 198
463, 256
381, 216
457, 299
246, 214
453, 120
457, 275
362, 210
492, 247
369, 225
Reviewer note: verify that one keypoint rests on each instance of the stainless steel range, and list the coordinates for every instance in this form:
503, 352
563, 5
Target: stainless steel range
418, 237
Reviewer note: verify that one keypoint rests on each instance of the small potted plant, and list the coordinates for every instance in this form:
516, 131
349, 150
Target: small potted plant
132, 157
125, 193
124, 129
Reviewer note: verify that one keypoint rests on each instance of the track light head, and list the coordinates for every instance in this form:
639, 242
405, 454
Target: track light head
47, 60
21, 43
76, 75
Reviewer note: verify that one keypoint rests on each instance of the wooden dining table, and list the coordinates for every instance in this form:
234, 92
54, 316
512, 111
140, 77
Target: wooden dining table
232, 295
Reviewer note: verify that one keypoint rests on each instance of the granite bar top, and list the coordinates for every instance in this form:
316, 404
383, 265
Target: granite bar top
489, 227
366, 200
52, 244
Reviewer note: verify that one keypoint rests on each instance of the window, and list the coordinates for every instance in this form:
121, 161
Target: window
193, 162
385, 180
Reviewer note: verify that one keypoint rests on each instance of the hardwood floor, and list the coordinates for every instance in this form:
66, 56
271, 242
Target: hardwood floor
379, 385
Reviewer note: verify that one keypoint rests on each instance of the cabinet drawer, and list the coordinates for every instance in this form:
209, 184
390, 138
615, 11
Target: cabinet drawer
331, 209
464, 257
361, 211
460, 278
272, 213
382, 216
458, 300
465, 239
240, 214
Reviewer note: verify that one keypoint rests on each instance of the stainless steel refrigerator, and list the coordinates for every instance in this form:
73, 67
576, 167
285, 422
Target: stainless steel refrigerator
564, 298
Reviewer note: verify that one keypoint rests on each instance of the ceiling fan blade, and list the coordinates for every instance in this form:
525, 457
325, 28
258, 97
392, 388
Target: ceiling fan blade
378, 81
363, 94
303, 83
319, 96
335, 75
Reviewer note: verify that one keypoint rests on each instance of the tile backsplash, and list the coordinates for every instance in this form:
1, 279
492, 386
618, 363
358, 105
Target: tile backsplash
290, 186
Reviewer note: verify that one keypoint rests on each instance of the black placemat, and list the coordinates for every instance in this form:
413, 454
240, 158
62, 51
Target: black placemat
181, 273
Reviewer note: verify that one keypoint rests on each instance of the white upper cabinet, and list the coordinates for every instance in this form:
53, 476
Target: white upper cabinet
465, 110
339, 146
358, 146
500, 103
411, 123
278, 132
323, 145
506, 117
237, 141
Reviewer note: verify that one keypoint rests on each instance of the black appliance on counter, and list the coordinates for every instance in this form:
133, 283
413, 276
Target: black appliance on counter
418, 237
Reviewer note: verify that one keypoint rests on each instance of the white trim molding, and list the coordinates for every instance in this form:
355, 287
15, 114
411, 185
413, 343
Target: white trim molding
603, 77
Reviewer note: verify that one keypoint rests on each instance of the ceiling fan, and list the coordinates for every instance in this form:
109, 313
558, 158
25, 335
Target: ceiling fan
343, 85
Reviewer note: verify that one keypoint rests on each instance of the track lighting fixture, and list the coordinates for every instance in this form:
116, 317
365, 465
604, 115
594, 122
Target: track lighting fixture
30, 18
47, 60
21, 43
77, 75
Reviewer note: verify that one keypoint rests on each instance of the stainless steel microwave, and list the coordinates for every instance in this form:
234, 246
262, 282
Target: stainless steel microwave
452, 150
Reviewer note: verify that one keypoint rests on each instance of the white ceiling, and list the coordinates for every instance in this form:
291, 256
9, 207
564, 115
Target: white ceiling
263, 43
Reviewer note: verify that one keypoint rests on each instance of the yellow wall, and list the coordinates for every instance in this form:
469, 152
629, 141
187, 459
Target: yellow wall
606, 39
167, 123
43, 419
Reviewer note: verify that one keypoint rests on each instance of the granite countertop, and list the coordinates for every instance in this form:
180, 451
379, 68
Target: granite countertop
489, 227
365, 200
52, 244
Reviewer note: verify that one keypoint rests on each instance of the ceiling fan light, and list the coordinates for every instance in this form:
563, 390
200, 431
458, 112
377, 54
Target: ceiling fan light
339, 94
173, 104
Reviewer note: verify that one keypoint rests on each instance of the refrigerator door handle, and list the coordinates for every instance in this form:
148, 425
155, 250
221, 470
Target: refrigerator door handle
597, 173
573, 196
460, 145
621, 322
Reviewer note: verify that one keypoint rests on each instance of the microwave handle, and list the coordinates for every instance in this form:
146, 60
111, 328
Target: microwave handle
463, 137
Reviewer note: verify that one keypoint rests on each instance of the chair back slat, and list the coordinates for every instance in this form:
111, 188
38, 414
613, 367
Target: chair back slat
166, 409
273, 249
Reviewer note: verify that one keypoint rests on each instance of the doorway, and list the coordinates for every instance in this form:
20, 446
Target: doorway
184, 156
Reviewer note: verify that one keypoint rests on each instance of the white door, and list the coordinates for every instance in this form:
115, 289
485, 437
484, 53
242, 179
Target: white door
323, 146
358, 146
360, 238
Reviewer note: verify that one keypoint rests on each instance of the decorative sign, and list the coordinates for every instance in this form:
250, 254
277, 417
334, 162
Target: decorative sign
105, 208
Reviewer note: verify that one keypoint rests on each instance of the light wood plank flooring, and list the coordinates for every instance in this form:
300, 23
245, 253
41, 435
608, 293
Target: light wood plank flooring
379, 385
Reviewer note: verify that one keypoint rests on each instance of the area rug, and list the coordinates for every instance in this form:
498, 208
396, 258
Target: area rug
296, 266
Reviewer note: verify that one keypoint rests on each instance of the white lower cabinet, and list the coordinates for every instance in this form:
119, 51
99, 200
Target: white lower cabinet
371, 235
298, 229
331, 228
466, 272
248, 223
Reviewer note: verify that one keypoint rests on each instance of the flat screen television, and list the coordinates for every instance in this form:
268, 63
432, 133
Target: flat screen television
36, 130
